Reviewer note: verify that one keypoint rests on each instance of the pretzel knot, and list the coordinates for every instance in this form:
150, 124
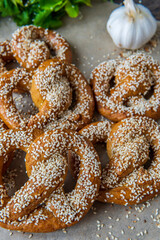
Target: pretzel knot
41, 204
32, 45
136, 90
132, 175
51, 89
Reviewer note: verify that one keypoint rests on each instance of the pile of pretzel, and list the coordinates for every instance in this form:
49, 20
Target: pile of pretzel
58, 137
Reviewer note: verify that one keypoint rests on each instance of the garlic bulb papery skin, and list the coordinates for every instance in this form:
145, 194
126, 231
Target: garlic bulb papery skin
131, 25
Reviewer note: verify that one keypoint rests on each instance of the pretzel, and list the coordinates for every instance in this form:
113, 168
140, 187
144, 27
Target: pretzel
135, 78
46, 168
125, 180
51, 91
32, 45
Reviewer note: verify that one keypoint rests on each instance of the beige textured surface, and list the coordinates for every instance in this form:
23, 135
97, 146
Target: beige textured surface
91, 45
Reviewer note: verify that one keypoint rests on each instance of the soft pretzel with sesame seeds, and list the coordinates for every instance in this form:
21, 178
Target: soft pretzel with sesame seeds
51, 89
133, 175
32, 45
128, 178
136, 90
41, 205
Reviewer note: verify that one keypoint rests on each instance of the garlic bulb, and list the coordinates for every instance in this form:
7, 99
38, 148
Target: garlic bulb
131, 25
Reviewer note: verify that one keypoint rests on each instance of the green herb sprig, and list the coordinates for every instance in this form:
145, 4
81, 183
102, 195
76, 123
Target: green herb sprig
44, 13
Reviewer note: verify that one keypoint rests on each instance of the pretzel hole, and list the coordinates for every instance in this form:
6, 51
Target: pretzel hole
15, 176
52, 52
102, 153
12, 65
150, 92
111, 84
74, 101
23, 102
126, 103
69, 183
151, 157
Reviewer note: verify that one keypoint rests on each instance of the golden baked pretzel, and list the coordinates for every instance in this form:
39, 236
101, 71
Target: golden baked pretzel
32, 45
128, 178
51, 91
41, 205
135, 79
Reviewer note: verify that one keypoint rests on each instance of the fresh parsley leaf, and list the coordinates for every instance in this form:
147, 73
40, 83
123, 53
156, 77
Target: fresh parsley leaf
15, 2
41, 17
50, 4
72, 9
45, 13
9, 9
23, 19
86, 2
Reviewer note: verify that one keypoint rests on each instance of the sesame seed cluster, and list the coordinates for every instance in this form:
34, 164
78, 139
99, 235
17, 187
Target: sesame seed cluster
136, 89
